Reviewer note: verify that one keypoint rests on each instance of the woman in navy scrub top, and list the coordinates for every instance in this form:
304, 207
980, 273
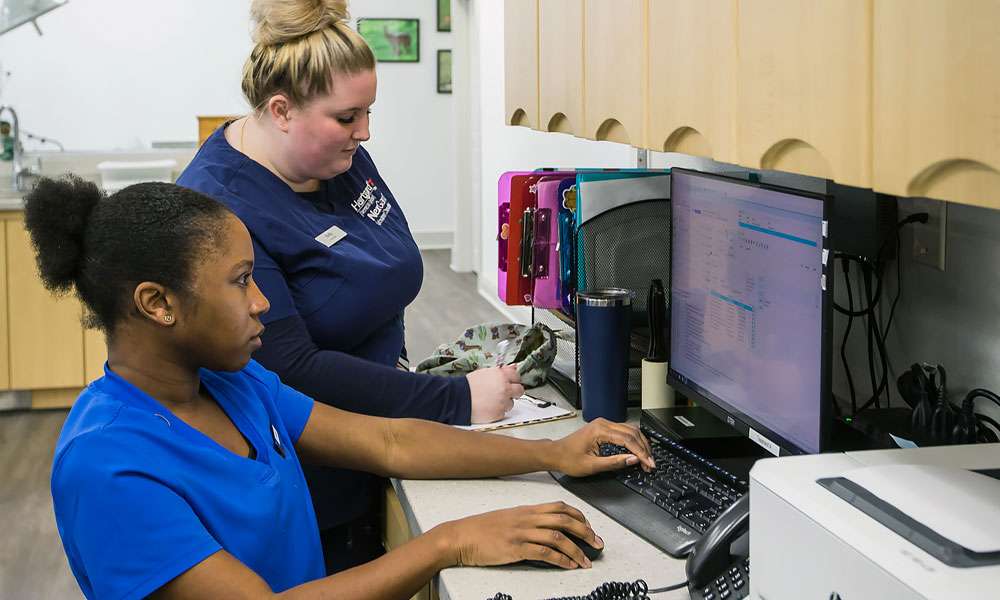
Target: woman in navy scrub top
177, 474
335, 256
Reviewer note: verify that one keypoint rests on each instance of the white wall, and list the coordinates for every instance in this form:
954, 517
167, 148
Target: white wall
413, 139
121, 74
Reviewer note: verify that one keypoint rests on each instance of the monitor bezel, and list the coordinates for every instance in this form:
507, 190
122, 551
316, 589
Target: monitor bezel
735, 418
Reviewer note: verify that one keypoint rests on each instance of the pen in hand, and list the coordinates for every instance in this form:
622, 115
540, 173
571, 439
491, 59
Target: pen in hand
537, 401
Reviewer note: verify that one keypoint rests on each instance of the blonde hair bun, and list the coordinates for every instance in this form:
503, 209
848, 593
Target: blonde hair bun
279, 21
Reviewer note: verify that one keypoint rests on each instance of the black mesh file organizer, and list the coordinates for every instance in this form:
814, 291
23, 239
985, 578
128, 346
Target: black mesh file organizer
627, 246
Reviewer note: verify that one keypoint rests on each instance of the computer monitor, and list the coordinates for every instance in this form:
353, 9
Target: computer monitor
750, 307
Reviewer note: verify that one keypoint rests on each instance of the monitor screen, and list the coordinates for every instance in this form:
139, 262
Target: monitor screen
747, 305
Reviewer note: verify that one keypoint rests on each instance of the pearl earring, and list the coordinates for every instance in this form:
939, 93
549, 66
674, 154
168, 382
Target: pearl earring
168, 318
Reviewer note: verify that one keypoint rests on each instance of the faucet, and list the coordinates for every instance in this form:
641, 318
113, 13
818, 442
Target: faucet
19, 170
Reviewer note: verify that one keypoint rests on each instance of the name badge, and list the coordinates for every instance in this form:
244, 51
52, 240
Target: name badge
331, 236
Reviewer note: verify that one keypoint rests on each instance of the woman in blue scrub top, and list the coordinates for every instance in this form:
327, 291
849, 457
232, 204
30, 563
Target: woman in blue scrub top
177, 474
334, 253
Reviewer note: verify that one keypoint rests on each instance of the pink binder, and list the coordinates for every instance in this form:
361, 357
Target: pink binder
517, 203
504, 230
545, 246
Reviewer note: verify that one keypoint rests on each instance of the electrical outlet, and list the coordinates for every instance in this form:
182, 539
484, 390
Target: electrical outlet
928, 239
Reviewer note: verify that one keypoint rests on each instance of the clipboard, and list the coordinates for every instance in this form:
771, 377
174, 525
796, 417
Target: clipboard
526, 411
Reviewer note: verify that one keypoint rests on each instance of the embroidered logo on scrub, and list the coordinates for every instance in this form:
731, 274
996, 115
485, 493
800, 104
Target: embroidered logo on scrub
372, 203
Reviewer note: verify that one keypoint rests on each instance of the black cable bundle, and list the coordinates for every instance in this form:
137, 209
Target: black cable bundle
876, 335
970, 426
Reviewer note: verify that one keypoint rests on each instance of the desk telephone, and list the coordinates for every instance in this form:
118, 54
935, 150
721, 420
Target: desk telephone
718, 567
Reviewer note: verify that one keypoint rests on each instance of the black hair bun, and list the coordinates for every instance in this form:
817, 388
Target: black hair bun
56, 214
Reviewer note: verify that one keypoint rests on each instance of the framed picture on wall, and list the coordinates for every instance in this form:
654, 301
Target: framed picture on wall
392, 40
444, 15
444, 71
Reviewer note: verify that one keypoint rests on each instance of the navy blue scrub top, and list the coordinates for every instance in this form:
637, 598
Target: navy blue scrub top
352, 293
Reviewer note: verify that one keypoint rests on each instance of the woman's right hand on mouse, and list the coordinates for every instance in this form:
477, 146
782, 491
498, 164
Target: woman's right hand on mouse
521, 533
493, 391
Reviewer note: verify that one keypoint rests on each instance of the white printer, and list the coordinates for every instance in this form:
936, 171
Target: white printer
884, 524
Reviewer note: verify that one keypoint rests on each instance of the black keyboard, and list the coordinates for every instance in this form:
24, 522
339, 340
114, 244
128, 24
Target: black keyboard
669, 507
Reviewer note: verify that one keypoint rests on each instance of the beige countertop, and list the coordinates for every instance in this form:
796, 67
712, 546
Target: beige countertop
83, 163
626, 557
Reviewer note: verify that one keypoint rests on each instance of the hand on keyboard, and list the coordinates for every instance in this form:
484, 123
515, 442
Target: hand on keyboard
581, 454
691, 493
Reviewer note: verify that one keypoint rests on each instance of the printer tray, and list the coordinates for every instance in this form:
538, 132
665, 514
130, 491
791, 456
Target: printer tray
633, 511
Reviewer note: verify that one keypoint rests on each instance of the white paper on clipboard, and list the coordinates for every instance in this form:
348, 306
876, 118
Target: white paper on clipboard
525, 411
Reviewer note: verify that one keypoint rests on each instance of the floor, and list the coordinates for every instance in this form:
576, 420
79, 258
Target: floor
32, 563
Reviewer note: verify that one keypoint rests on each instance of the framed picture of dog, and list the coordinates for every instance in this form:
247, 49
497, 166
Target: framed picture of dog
392, 40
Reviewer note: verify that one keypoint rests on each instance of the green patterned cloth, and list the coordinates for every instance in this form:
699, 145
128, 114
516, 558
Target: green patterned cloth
496, 344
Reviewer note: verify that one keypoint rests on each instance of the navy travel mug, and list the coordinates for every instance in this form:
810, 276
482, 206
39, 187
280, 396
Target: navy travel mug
603, 317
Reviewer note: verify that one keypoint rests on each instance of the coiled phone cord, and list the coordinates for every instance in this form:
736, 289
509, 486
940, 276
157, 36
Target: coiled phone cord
613, 590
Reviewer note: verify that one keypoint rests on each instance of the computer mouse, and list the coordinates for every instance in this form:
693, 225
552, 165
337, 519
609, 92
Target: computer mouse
589, 551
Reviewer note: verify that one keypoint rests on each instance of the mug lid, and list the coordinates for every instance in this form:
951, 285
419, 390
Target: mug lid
605, 297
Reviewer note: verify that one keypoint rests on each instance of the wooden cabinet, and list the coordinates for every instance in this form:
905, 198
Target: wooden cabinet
43, 347
521, 62
937, 99
901, 96
804, 88
615, 70
396, 532
4, 347
208, 124
45, 333
560, 66
692, 77
95, 352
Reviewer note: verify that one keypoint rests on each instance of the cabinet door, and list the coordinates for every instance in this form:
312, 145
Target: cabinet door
692, 77
937, 99
4, 346
615, 70
520, 41
95, 352
805, 88
396, 532
560, 66
46, 337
